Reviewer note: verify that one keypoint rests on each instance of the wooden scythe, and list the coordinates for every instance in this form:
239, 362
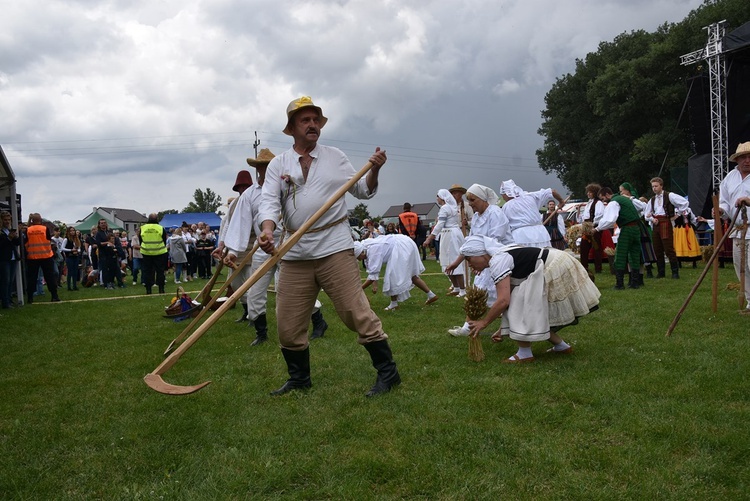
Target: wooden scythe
209, 301
743, 258
717, 249
154, 379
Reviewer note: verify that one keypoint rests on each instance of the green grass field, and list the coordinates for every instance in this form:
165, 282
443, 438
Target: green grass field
631, 414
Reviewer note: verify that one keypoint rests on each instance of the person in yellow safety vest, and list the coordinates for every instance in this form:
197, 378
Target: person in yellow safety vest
39, 255
154, 252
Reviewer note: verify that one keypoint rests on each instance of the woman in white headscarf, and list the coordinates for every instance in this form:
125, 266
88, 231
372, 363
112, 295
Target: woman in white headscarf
488, 221
539, 291
522, 210
403, 266
448, 231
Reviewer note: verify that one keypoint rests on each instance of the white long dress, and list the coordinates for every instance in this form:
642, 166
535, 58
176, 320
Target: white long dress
401, 256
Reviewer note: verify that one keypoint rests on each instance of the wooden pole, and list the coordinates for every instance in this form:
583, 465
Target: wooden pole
718, 234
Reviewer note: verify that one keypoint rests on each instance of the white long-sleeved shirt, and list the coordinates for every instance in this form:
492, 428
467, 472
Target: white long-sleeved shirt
297, 199
586, 212
680, 204
732, 188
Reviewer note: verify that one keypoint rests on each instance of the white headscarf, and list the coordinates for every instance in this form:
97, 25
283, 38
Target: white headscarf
510, 189
478, 245
483, 192
447, 198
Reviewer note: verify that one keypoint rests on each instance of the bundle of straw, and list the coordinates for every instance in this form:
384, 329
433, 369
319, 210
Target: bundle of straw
475, 306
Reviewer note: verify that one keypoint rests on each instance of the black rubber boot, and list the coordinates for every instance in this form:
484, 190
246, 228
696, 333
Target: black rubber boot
660, 269
620, 278
650, 271
161, 289
319, 325
382, 360
298, 366
261, 330
243, 318
675, 269
634, 281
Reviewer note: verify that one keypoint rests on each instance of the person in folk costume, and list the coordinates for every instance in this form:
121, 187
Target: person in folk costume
621, 211
241, 210
648, 255
734, 194
488, 220
549, 282
686, 244
298, 183
448, 227
244, 230
403, 266
465, 211
593, 246
661, 211
522, 210
555, 224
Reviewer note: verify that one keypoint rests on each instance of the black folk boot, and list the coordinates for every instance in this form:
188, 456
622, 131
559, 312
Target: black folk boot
650, 271
382, 360
261, 330
634, 281
243, 318
660, 269
619, 279
675, 269
298, 366
319, 325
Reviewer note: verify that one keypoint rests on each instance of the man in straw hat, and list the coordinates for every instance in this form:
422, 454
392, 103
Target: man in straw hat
299, 181
235, 233
257, 295
465, 210
734, 194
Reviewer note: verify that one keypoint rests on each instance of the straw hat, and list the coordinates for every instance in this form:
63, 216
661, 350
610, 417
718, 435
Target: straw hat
742, 149
243, 179
264, 157
457, 187
298, 104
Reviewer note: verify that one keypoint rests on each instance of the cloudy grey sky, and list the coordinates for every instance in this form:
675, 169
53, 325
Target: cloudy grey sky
136, 103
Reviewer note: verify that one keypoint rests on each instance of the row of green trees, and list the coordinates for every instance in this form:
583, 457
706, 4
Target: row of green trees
615, 118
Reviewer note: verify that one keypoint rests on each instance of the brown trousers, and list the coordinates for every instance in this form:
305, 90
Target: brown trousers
338, 275
663, 236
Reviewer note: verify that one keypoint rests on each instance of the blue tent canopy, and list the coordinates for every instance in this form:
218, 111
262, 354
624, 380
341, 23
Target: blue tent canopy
176, 220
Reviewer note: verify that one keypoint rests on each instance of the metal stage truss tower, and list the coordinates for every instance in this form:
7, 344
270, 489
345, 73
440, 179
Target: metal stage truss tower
717, 72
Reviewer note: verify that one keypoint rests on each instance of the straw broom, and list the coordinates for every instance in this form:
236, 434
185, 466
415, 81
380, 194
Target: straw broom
475, 306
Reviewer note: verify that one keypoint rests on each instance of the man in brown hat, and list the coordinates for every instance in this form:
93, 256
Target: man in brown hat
734, 195
299, 181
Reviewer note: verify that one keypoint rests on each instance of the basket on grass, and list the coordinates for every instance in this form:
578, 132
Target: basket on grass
475, 306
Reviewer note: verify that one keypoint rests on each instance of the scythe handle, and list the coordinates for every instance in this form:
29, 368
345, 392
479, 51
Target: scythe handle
209, 301
701, 277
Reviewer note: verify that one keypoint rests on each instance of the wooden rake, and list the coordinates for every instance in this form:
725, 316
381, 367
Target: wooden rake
154, 379
208, 301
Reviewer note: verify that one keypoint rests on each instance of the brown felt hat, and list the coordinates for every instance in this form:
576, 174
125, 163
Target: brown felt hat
264, 157
243, 179
457, 187
298, 104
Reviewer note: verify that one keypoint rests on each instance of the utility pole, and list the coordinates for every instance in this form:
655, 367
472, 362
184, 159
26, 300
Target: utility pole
256, 144
717, 71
